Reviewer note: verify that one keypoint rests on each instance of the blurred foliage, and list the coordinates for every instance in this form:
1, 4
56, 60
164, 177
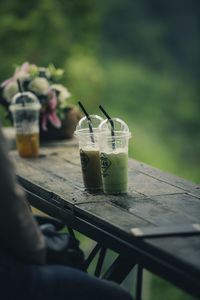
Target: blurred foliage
160, 34
45, 31
139, 59
85, 78
150, 54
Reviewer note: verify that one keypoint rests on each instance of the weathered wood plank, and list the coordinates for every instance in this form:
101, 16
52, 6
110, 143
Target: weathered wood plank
186, 204
109, 216
156, 212
44, 179
185, 250
147, 210
174, 180
57, 173
149, 186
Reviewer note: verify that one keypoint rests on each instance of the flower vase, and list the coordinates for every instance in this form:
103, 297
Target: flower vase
68, 126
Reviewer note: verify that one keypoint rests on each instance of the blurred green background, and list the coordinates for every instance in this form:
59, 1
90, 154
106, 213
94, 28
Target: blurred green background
138, 59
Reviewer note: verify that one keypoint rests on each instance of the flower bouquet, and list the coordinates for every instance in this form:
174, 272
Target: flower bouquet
43, 82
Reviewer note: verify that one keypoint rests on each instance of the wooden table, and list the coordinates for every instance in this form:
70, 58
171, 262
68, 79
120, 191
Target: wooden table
164, 208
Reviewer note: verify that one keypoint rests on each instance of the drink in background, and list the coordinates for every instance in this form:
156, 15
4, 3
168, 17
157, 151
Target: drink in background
89, 152
25, 111
27, 144
114, 156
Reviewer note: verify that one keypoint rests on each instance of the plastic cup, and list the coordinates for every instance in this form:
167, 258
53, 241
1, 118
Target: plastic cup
114, 156
89, 152
25, 111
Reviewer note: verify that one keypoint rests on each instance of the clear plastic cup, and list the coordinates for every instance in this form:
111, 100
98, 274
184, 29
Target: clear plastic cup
25, 111
114, 155
89, 152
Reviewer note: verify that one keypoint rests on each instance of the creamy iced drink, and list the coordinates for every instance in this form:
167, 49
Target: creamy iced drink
113, 136
114, 168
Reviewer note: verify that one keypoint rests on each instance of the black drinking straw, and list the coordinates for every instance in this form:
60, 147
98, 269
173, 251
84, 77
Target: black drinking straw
111, 123
20, 90
89, 120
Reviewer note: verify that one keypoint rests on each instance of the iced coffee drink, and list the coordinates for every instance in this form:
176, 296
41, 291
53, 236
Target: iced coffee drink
89, 153
91, 170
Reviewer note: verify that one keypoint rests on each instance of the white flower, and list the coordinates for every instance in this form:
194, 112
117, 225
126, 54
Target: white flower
39, 86
63, 92
10, 90
22, 76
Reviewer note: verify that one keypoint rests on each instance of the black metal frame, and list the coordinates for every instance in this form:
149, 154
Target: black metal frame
118, 270
130, 255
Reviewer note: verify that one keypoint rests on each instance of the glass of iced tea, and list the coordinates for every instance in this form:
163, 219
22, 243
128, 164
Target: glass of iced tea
89, 152
25, 108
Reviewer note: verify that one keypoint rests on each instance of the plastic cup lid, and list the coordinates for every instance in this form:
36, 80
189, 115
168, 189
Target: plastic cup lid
25, 100
83, 124
116, 125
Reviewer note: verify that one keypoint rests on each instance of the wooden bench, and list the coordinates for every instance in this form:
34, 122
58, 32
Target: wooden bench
155, 226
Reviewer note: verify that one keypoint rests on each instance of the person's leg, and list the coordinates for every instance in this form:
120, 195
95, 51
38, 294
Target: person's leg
55, 282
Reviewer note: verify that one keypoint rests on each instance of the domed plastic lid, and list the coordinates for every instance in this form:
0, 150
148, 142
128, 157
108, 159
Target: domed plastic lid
84, 123
25, 100
116, 126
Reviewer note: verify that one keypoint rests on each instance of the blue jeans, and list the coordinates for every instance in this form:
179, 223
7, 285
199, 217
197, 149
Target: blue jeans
53, 282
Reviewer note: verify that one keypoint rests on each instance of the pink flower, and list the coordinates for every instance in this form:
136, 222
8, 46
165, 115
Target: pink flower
23, 68
53, 102
49, 112
6, 82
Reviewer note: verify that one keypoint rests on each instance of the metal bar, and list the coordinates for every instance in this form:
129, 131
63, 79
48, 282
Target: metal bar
139, 283
100, 262
119, 269
71, 231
